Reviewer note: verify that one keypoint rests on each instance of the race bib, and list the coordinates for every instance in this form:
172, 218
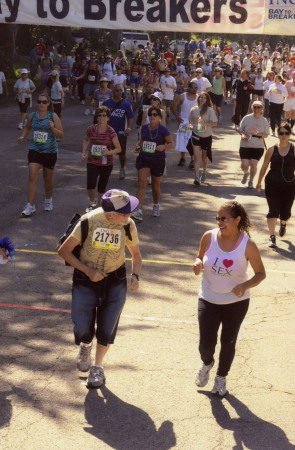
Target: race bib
293, 89
135, 74
40, 137
91, 77
184, 128
96, 150
149, 147
146, 107
106, 238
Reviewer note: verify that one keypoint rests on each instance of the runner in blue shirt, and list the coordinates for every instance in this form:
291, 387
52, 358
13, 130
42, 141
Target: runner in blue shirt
121, 121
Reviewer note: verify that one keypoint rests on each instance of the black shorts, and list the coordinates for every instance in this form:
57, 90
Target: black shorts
93, 172
24, 106
156, 165
57, 108
258, 92
216, 99
251, 153
204, 142
47, 160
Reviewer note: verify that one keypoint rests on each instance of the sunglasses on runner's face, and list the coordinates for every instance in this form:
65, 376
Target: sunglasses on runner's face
222, 219
153, 114
44, 102
256, 107
284, 133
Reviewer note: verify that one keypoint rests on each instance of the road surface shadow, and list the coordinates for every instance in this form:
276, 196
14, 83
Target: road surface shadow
124, 426
5, 408
249, 430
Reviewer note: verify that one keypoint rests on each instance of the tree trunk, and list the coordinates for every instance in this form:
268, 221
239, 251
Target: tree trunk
14, 30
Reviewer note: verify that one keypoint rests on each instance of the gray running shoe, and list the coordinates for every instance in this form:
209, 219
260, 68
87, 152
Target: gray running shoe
197, 181
250, 185
122, 174
245, 178
84, 357
203, 375
96, 377
219, 386
137, 215
156, 210
203, 177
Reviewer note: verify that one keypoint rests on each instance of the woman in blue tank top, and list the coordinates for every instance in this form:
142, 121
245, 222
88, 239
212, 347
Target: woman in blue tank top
224, 295
46, 128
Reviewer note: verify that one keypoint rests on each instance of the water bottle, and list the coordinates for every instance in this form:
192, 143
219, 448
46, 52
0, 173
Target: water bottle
104, 159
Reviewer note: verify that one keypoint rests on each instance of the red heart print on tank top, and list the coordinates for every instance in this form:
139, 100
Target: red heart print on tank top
227, 263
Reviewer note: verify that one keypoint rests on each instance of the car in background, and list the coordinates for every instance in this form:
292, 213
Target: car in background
181, 44
131, 36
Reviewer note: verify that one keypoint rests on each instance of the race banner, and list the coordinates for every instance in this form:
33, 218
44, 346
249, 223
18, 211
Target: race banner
196, 16
279, 17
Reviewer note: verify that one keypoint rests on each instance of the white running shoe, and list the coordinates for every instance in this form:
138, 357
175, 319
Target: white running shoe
29, 210
219, 386
156, 210
137, 215
203, 374
87, 112
20, 126
48, 206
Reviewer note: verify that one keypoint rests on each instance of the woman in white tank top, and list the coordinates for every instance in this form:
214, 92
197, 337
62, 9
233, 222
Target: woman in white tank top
224, 295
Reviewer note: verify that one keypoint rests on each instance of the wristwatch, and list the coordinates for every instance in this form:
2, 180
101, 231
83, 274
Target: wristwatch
136, 276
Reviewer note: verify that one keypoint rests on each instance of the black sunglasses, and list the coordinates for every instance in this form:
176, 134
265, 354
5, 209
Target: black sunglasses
153, 114
44, 102
284, 133
257, 107
222, 219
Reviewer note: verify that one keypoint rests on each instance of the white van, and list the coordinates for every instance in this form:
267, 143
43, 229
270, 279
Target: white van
141, 38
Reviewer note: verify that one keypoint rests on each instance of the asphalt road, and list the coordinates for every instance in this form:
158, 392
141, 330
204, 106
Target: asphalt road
150, 400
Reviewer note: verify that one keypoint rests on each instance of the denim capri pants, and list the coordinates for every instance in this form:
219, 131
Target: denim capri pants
102, 301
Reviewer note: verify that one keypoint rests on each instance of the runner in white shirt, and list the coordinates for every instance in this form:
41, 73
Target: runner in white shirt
3, 84
168, 86
203, 83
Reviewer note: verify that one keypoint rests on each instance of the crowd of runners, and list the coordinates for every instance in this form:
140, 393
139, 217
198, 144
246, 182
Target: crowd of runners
142, 92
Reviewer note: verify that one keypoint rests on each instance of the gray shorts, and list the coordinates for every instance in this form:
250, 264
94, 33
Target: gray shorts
89, 88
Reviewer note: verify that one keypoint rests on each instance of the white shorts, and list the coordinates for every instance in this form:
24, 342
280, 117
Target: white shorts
289, 104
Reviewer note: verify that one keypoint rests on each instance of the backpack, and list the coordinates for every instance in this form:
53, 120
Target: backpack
84, 233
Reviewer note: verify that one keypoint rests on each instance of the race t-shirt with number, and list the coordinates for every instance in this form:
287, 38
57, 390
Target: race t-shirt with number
104, 247
43, 139
100, 96
151, 139
98, 143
